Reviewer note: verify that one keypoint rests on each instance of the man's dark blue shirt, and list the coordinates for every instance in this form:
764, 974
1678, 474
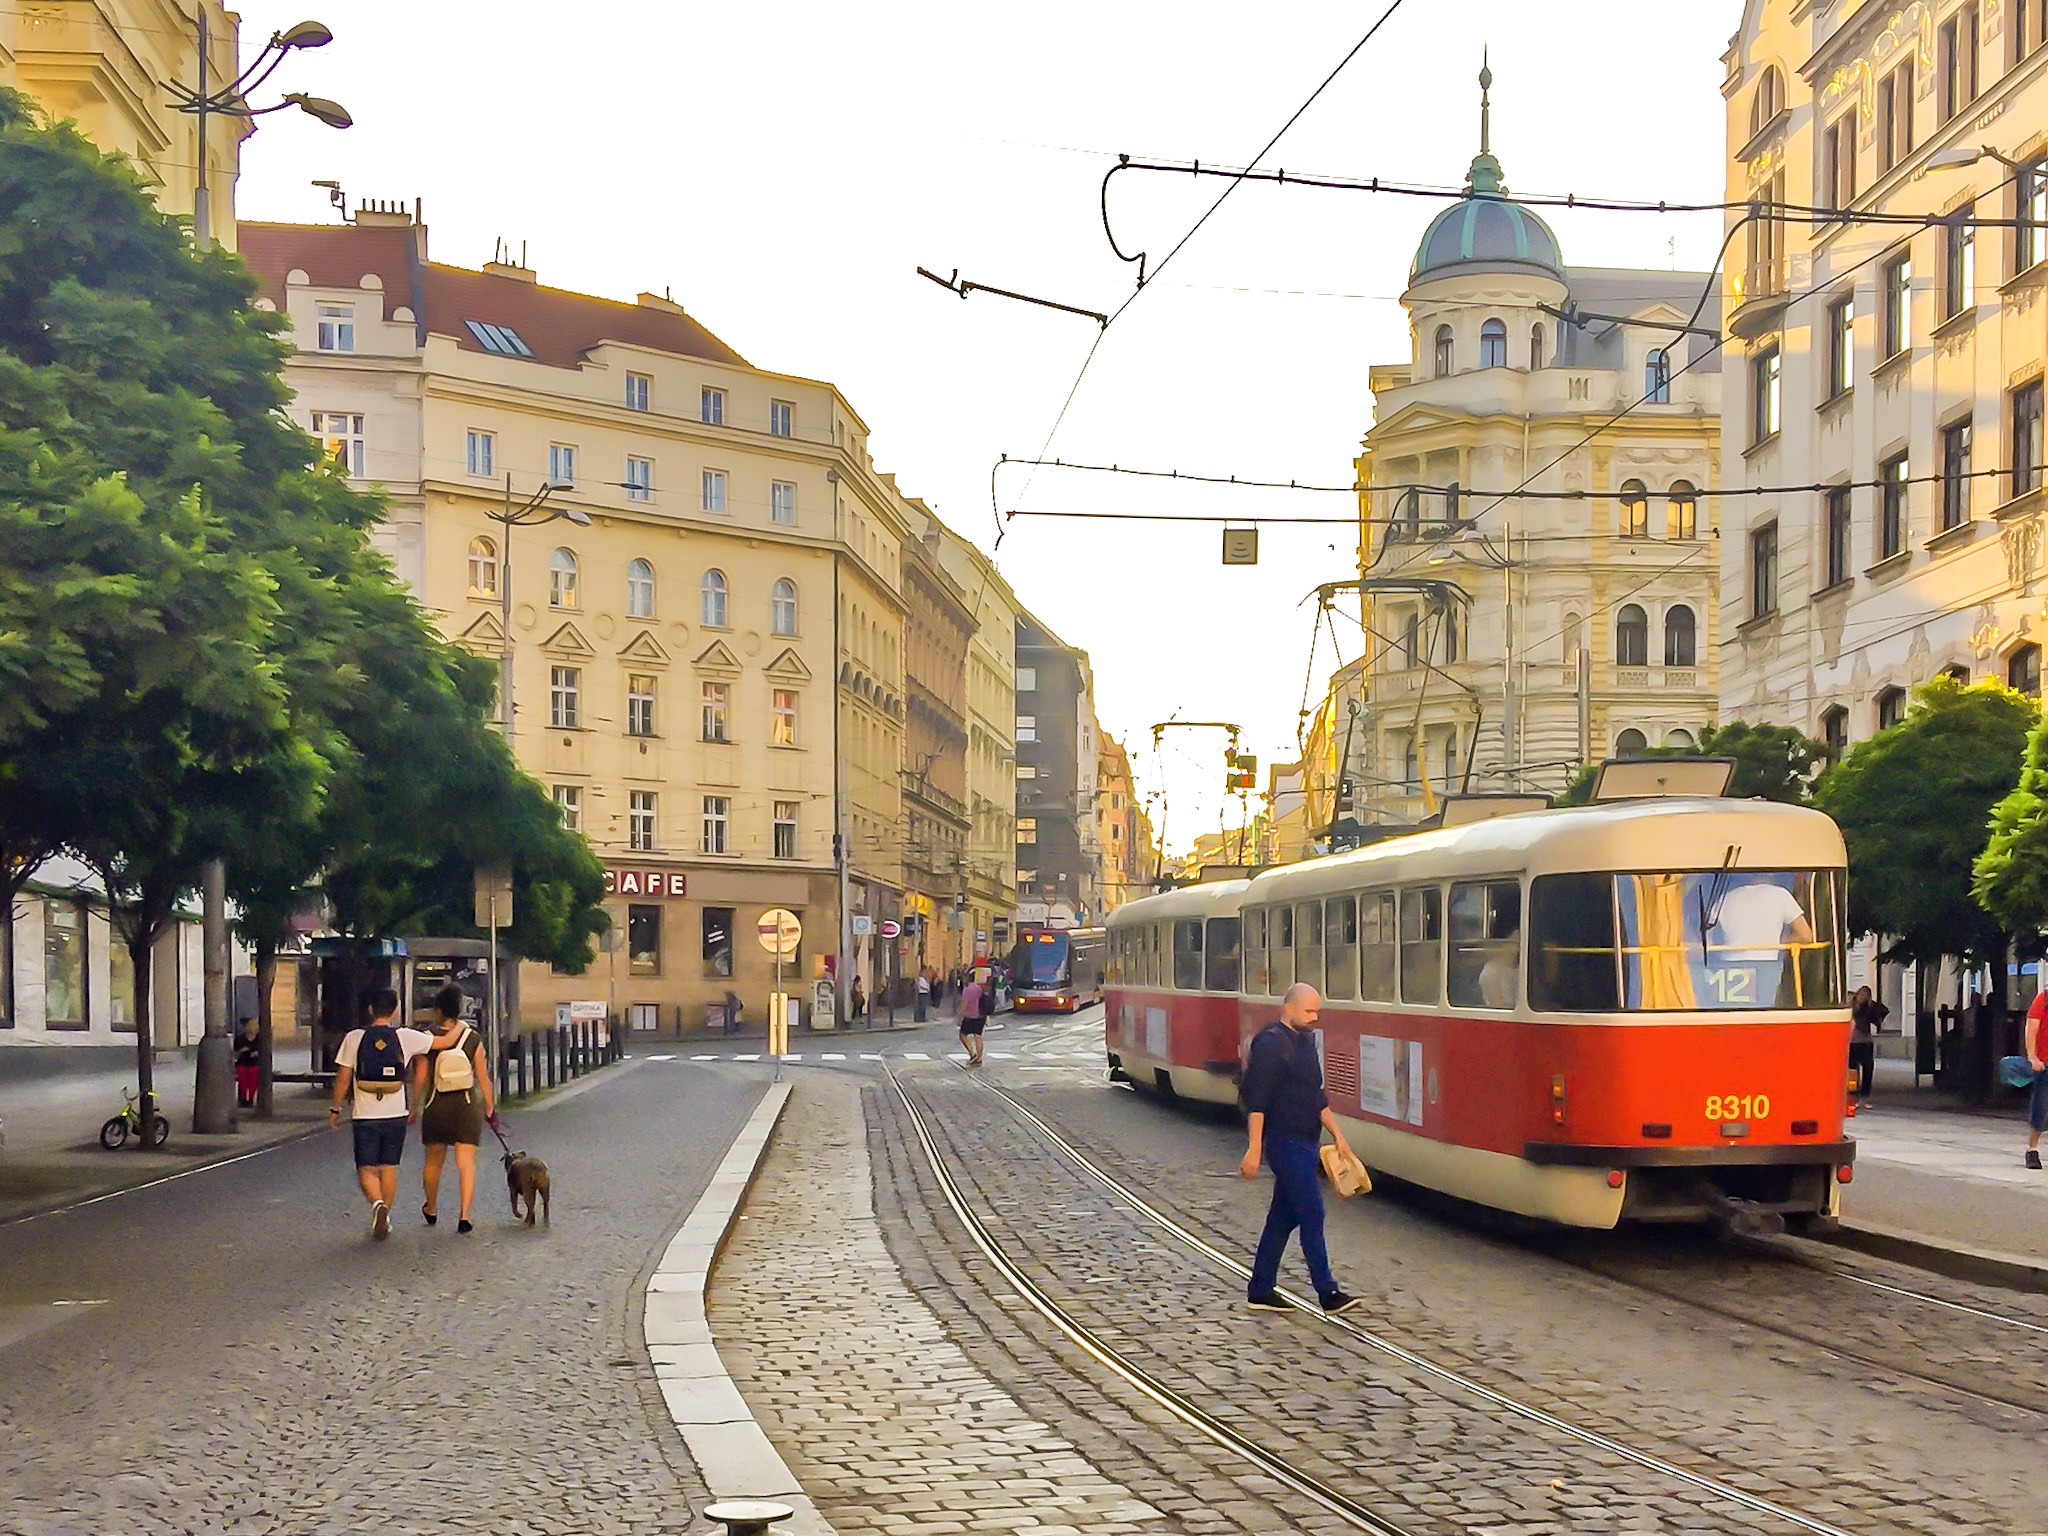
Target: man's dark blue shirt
1283, 1081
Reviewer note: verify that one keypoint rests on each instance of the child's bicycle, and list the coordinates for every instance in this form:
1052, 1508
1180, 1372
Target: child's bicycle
115, 1133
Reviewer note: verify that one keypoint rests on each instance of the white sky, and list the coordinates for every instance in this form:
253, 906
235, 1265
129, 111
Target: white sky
785, 168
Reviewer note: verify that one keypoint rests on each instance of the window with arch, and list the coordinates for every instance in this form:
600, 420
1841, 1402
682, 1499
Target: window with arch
1681, 637
1769, 100
1958, 671
1635, 510
713, 594
562, 577
2023, 670
1451, 763
782, 607
1682, 509
1657, 377
639, 590
1631, 743
1446, 353
1891, 708
1535, 347
1493, 345
483, 568
1834, 731
1632, 636
1410, 782
1680, 740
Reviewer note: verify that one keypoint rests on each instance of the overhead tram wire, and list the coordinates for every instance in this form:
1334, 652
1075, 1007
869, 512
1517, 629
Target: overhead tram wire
1193, 229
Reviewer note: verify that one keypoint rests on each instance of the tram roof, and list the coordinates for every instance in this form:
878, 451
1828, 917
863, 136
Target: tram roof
1674, 833
1217, 898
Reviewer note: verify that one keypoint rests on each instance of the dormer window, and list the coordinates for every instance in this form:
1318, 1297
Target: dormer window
1445, 351
337, 327
501, 339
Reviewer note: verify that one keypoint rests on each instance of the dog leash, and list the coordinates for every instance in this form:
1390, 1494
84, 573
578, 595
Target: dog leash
490, 1121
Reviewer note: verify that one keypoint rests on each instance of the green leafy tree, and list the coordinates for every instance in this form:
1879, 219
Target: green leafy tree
1772, 762
2010, 877
1913, 802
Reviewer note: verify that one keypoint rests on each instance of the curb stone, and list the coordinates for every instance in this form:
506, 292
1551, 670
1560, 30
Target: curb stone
1957, 1260
733, 1454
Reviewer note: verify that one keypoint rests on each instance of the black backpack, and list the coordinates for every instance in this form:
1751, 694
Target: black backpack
380, 1061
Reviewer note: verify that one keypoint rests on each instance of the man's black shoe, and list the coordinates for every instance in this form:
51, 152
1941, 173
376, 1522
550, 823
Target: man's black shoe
1337, 1302
1270, 1302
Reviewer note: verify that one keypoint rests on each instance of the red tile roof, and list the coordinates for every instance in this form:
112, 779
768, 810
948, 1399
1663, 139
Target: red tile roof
559, 326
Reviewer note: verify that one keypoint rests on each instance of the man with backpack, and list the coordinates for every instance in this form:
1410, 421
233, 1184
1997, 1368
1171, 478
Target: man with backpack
1286, 1112
371, 1070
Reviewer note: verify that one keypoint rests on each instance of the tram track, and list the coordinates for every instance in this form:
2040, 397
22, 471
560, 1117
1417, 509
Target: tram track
1447, 1380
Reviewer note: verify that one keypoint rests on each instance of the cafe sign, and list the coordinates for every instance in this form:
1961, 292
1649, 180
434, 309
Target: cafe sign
644, 882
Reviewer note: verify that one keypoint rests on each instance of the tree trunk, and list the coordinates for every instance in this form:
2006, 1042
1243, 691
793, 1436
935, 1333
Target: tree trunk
141, 945
213, 1083
266, 977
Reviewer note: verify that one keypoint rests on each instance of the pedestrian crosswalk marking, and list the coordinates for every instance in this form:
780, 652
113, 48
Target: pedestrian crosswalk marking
1053, 1052
835, 1056
1004, 1055
915, 1056
661, 1058
749, 1056
693, 1058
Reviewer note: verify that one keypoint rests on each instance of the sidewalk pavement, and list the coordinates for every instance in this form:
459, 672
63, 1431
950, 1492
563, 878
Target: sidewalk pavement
1934, 1172
52, 1155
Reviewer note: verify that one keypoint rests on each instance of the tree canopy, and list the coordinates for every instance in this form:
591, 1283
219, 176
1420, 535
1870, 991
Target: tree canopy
1913, 802
1772, 762
2010, 878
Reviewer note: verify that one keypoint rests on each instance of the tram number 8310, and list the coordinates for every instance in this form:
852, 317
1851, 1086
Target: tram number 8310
1738, 1106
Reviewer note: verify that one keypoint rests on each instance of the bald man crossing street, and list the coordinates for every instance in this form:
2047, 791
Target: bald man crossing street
1286, 1112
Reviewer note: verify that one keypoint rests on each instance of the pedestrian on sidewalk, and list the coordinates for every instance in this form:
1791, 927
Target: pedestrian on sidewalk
924, 995
248, 1063
1866, 1015
370, 1074
1286, 1112
859, 1000
971, 1022
2037, 1105
452, 1086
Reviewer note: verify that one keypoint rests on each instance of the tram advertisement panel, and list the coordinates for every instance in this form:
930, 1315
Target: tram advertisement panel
1390, 1078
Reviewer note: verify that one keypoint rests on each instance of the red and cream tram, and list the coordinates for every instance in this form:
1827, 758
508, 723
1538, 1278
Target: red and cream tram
1624, 1011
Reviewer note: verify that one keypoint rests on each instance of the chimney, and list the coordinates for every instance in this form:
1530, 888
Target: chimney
660, 301
501, 263
371, 214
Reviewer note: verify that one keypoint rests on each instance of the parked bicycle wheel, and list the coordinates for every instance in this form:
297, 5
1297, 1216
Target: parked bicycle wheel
159, 1130
114, 1134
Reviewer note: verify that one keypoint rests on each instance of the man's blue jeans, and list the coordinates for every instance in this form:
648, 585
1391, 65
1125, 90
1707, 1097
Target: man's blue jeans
1297, 1202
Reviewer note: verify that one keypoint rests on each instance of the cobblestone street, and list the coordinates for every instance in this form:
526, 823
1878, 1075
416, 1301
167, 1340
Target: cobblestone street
229, 1355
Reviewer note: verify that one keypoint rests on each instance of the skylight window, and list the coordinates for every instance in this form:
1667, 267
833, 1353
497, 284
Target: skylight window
501, 339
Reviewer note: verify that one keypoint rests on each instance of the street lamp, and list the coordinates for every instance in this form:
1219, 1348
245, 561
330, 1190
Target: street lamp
1957, 156
523, 516
231, 100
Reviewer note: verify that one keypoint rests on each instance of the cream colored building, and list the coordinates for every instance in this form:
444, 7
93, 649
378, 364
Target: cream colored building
991, 743
675, 675
101, 63
1895, 364
1478, 606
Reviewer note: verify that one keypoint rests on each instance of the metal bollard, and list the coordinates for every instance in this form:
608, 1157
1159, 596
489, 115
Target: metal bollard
748, 1517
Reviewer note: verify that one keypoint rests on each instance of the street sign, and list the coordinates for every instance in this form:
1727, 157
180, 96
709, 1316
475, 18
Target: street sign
493, 897
891, 928
780, 932
863, 925
1240, 546
586, 1012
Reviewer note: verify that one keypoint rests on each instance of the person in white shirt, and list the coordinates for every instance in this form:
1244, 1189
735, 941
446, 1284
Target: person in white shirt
371, 1070
1752, 925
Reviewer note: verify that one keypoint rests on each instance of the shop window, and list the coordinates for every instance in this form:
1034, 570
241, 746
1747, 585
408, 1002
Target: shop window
64, 965
643, 940
717, 941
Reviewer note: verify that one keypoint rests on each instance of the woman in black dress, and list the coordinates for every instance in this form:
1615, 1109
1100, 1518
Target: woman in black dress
454, 1098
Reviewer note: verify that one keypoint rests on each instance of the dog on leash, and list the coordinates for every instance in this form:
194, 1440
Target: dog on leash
527, 1178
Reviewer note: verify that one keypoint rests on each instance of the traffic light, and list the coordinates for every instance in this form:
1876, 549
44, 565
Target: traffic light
1236, 781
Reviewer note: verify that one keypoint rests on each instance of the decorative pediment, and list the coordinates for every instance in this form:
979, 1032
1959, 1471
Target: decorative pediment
645, 649
486, 636
789, 665
717, 657
568, 641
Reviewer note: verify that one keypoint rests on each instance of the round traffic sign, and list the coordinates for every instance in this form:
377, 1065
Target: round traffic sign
891, 928
780, 931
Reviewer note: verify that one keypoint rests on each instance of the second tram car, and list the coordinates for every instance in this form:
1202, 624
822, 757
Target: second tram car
1056, 970
1630, 1011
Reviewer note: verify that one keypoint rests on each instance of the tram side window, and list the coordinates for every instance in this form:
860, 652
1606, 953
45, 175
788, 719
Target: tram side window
1486, 943
1340, 946
1187, 955
1220, 955
1376, 940
1572, 962
1280, 958
1308, 943
1255, 951
1422, 945
1152, 976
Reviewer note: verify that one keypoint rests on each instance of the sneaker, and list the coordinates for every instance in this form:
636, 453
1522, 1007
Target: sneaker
1269, 1302
380, 1221
1337, 1303
2033, 1158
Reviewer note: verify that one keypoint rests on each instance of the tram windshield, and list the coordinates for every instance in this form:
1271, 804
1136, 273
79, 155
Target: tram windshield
1040, 960
1705, 941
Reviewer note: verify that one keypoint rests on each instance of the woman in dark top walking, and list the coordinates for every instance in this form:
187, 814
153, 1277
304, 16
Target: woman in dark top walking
453, 1091
1866, 1015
